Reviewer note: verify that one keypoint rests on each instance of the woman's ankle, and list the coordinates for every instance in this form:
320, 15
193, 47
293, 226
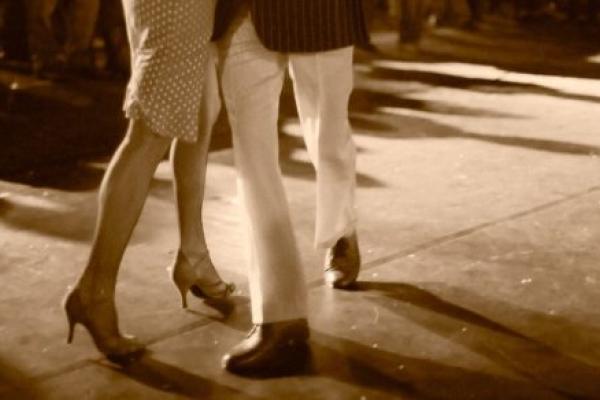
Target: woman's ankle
193, 254
92, 293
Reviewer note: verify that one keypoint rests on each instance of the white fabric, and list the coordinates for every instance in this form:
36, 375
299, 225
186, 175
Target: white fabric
322, 86
252, 78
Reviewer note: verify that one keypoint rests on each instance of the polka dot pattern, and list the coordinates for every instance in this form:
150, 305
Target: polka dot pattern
169, 43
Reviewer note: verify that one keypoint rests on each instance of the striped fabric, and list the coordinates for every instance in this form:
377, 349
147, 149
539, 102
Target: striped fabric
299, 26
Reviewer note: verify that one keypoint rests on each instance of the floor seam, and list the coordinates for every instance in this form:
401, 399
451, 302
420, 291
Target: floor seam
464, 233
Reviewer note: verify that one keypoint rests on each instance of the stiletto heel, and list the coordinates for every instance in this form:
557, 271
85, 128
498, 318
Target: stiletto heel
100, 320
197, 279
71, 330
182, 283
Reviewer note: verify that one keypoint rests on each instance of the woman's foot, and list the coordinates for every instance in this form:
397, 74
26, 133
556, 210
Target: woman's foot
100, 319
200, 277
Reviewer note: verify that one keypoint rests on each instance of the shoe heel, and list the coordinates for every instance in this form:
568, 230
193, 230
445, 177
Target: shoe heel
183, 282
71, 331
101, 322
183, 288
70, 306
187, 278
183, 277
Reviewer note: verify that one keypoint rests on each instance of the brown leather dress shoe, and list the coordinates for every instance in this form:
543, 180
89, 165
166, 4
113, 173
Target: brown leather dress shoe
271, 349
342, 263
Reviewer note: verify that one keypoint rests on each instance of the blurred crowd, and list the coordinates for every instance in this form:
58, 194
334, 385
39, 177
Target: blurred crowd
57, 37
468, 14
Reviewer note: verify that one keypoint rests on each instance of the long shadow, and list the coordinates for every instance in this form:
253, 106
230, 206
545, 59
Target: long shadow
360, 123
528, 357
369, 99
14, 384
68, 176
70, 220
65, 223
362, 366
482, 85
565, 56
414, 295
83, 175
172, 380
542, 47
413, 127
396, 376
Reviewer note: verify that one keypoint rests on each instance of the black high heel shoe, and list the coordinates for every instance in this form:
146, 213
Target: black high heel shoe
201, 279
101, 322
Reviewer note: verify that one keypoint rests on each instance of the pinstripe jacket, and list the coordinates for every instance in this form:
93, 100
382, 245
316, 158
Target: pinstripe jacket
293, 26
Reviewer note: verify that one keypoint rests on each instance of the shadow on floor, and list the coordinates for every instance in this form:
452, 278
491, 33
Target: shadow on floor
15, 385
83, 175
555, 48
365, 99
172, 380
360, 367
64, 217
408, 377
482, 85
366, 367
413, 127
528, 357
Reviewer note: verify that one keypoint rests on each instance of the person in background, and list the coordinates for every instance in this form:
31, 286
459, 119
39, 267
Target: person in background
586, 10
111, 28
13, 33
475, 13
80, 25
3, 28
412, 20
49, 53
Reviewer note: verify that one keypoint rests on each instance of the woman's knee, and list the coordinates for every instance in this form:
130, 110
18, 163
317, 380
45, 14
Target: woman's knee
142, 140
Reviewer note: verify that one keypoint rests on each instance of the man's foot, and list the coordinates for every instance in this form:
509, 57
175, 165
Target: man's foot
271, 349
342, 263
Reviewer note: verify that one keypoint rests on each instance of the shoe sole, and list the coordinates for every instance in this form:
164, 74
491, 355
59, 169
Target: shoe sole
293, 360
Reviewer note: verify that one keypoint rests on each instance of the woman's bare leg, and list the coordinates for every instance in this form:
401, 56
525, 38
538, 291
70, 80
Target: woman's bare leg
122, 196
193, 268
189, 166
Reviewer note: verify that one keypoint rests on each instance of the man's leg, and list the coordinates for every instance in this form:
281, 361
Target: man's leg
252, 79
81, 23
40, 35
112, 28
322, 84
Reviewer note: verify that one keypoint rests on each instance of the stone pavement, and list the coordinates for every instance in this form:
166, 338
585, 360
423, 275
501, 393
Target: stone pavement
479, 201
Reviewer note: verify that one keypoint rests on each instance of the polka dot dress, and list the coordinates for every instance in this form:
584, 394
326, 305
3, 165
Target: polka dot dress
169, 41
